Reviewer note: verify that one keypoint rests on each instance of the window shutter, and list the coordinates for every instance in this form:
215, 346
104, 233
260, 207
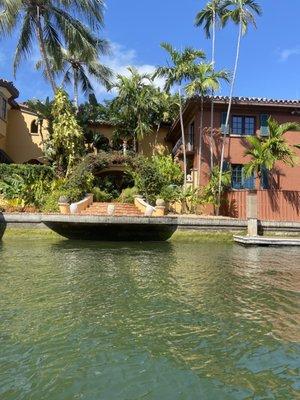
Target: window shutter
264, 128
226, 166
223, 123
264, 178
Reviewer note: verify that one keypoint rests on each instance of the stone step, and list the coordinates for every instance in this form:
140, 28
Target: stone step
121, 209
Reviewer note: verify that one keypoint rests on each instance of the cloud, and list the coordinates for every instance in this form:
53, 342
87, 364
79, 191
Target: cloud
285, 54
119, 60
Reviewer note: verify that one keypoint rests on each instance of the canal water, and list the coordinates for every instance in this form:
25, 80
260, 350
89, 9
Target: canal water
165, 321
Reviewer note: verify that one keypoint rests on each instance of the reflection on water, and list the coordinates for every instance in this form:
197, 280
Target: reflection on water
148, 321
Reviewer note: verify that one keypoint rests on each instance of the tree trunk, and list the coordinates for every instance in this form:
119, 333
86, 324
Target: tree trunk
156, 135
182, 137
75, 77
229, 111
212, 100
200, 143
39, 33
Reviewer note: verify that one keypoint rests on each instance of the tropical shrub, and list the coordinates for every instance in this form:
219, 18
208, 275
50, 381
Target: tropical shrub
170, 193
26, 184
66, 142
154, 175
127, 195
210, 193
101, 195
29, 172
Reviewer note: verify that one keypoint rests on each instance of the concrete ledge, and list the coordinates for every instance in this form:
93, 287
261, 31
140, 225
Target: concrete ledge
180, 222
266, 241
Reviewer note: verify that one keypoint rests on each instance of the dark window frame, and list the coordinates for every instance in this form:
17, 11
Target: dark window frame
191, 134
34, 124
3, 108
237, 171
244, 117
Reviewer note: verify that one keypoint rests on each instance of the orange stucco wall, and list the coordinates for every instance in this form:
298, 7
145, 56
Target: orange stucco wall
3, 123
286, 178
149, 145
21, 145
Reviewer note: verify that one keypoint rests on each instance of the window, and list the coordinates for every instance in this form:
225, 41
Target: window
34, 129
191, 137
239, 180
242, 125
3, 108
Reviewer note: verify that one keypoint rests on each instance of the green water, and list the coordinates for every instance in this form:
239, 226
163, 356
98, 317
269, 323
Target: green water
82, 320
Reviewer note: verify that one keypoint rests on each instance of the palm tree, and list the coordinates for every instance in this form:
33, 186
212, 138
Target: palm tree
241, 12
209, 17
183, 69
265, 152
78, 66
132, 108
51, 23
207, 79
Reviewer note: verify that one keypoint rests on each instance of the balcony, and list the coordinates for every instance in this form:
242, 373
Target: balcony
189, 148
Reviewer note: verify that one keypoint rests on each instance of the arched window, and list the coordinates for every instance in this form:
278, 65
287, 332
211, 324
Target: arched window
34, 129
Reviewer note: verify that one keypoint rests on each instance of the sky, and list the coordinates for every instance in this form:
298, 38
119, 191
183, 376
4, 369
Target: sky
270, 55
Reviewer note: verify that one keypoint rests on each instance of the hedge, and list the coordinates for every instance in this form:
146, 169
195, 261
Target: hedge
30, 173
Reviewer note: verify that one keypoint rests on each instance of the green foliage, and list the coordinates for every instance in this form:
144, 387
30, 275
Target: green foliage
29, 172
78, 65
182, 67
265, 152
140, 106
24, 182
210, 193
101, 195
153, 175
127, 195
67, 140
211, 14
51, 23
170, 193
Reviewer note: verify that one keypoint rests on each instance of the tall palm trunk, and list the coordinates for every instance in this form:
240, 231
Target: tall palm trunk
75, 77
229, 110
39, 33
200, 141
182, 137
212, 99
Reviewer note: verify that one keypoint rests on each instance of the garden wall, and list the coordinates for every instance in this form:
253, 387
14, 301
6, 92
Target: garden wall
273, 205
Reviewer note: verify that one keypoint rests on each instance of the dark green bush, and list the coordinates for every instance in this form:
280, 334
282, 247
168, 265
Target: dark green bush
154, 175
30, 173
101, 195
127, 195
27, 183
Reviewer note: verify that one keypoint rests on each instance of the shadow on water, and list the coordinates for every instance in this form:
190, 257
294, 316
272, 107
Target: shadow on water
147, 321
113, 232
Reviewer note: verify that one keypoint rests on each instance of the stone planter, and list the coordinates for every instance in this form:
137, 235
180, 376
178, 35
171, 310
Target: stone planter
64, 208
160, 203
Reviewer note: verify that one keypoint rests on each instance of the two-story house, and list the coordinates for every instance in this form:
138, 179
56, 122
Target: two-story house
249, 116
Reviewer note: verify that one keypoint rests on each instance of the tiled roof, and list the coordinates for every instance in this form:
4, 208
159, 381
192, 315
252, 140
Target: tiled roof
256, 100
10, 87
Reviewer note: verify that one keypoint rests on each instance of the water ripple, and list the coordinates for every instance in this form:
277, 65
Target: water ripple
148, 321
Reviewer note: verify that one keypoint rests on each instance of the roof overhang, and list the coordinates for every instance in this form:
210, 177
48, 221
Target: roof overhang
292, 105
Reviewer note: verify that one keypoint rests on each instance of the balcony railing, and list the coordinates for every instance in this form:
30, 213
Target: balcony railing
177, 146
189, 147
